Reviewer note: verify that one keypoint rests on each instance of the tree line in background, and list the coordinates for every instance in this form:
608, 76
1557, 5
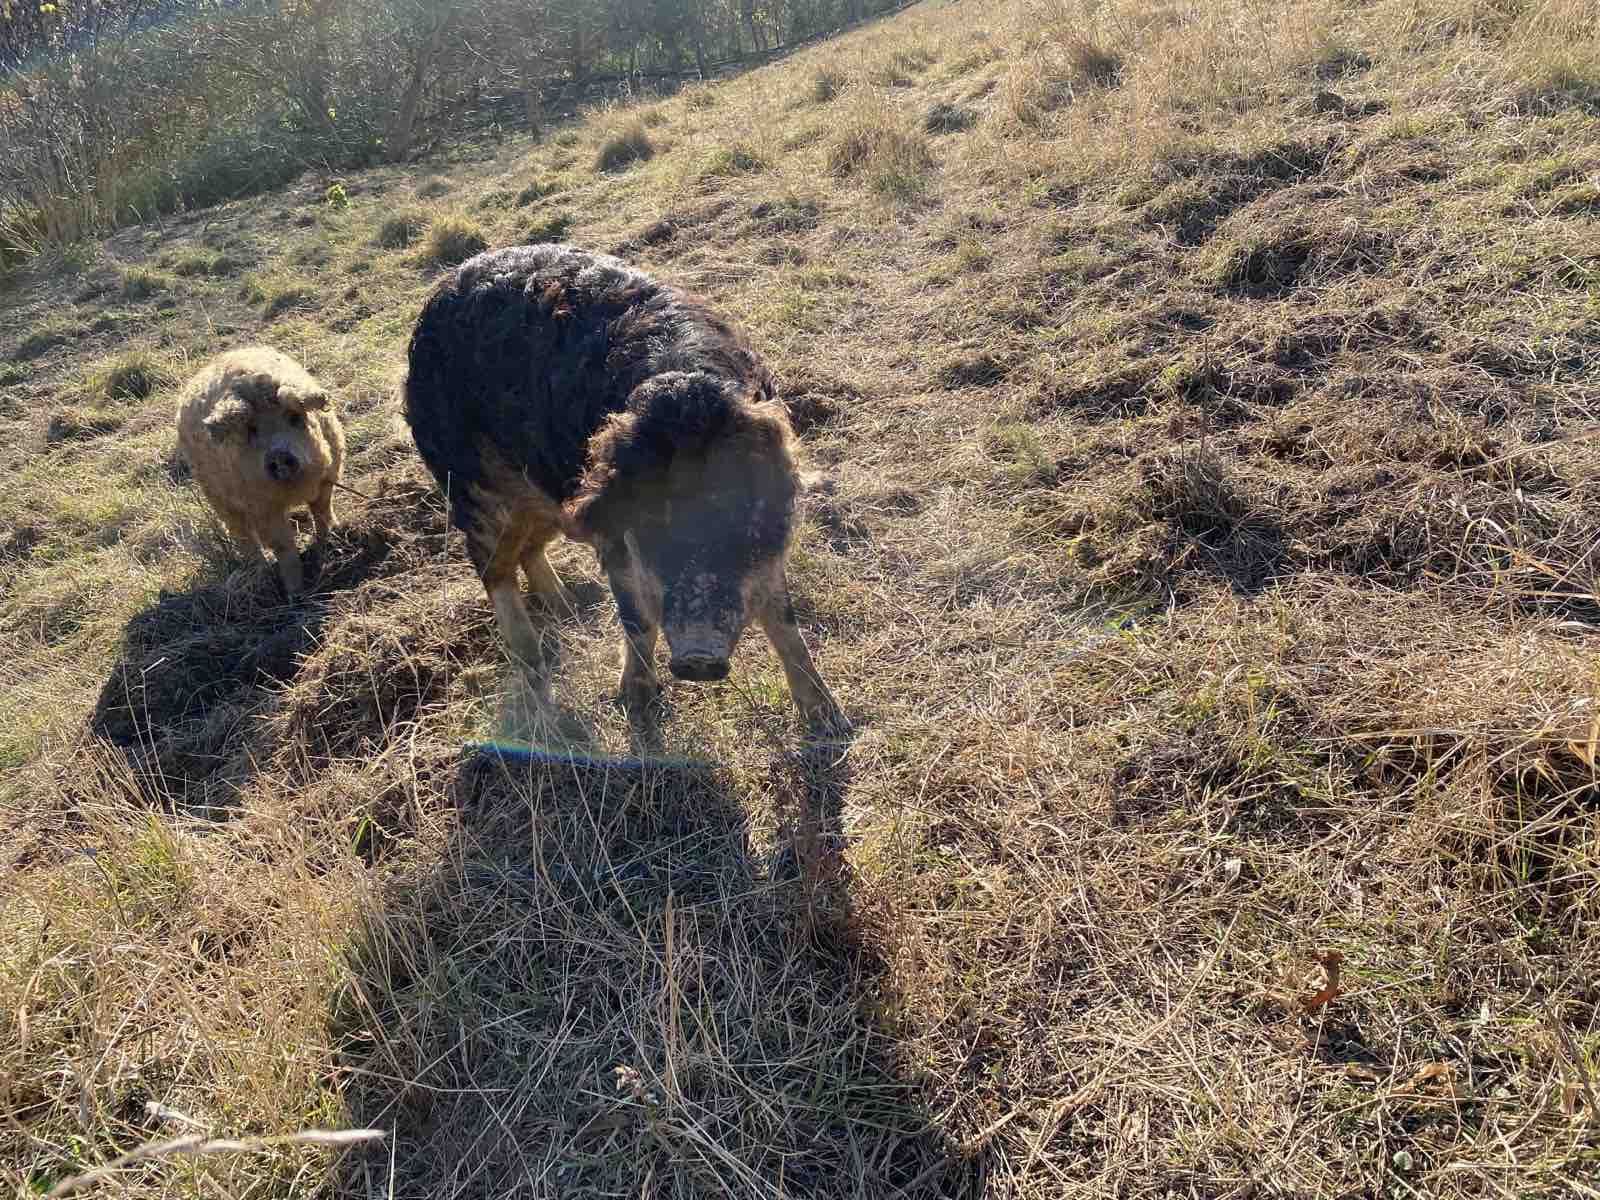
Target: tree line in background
112, 110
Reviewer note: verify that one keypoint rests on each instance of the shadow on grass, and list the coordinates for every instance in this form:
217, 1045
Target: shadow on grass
600, 989
197, 668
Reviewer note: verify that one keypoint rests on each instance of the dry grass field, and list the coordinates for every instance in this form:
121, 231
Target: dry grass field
1208, 399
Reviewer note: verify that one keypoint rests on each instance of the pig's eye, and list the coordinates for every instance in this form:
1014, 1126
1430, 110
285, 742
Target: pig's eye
296, 420
250, 432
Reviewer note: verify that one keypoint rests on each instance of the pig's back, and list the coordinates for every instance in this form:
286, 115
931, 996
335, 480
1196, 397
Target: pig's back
528, 349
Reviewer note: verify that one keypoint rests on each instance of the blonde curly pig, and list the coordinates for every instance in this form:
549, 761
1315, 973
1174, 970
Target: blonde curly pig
261, 439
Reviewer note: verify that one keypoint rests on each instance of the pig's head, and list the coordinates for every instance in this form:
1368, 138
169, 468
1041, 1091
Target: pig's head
689, 500
275, 425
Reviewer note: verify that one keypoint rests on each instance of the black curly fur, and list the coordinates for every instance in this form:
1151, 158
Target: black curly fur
530, 352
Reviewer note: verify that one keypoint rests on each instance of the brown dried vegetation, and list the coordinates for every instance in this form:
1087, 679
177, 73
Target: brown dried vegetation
1211, 571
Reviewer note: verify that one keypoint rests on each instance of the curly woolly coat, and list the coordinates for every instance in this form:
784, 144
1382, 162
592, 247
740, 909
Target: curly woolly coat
553, 389
261, 438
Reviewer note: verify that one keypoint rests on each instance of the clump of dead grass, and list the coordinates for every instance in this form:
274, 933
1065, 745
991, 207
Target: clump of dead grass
876, 143
453, 239
826, 83
136, 375
401, 229
624, 147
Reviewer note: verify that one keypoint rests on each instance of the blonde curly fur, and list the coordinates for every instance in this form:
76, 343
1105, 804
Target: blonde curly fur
261, 438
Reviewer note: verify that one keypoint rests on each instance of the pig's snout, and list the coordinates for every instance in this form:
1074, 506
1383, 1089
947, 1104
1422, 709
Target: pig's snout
699, 668
283, 466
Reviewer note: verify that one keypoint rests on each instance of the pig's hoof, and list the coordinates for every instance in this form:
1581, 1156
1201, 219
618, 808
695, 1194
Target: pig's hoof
828, 724
639, 696
316, 566
555, 604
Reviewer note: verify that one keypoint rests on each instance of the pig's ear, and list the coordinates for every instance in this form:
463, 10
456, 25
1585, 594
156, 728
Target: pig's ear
311, 399
227, 419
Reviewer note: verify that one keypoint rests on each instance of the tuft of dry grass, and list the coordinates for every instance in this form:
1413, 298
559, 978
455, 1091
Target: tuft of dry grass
402, 229
452, 239
624, 147
878, 144
1202, 530
142, 284
826, 83
135, 375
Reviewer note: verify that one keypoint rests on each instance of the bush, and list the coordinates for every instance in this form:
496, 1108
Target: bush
452, 240
628, 145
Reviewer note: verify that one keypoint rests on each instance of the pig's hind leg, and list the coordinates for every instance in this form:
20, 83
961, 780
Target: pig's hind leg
542, 578
496, 548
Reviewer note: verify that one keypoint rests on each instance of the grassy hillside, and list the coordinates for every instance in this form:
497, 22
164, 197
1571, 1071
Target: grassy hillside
1207, 402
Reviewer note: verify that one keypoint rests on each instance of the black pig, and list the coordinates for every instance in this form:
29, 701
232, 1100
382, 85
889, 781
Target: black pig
556, 390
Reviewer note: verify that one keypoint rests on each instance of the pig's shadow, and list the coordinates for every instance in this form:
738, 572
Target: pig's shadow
196, 667
593, 966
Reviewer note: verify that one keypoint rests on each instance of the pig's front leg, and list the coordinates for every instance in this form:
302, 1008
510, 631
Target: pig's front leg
818, 709
322, 520
639, 687
280, 536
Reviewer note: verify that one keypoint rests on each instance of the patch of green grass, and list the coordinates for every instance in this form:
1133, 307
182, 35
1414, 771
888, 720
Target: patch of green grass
495, 200
548, 227
1018, 447
1136, 193
790, 213
1576, 199
879, 147
738, 159
140, 283
972, 255
624, 147
199, 263
453, 239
